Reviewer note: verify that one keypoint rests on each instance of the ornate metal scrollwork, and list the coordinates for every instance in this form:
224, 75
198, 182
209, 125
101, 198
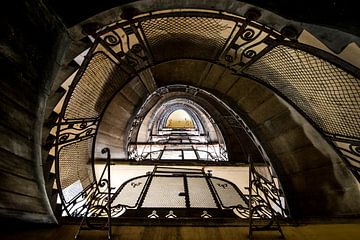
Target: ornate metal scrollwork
70, 131
249, 53
112, 40
355, 148
350, 150
99, 204
247, 43
248, 35
125, 43
264, 203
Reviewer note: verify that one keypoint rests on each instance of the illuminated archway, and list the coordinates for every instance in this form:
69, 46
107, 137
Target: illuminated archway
179, 119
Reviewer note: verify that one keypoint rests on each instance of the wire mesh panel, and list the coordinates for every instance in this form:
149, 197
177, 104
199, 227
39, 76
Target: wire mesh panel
186, 36
172, 154
200, 195
101, 79
130, 193
170, 197
350, 150
74, 164
327, 94
227, 193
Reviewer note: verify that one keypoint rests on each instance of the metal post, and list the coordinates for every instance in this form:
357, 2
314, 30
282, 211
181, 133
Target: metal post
109, 196
250, 198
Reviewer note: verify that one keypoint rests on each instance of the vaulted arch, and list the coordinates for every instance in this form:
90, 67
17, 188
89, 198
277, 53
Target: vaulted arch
270, 86
228, 66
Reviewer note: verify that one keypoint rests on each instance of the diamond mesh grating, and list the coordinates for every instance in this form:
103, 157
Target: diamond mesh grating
157, 196
228, 195
326, 94
186, 37
101, 79
130, 193
199, 193
74, 164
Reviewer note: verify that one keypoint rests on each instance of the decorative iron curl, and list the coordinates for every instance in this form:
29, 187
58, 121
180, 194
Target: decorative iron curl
136, 48
100, 202
250, 53
88, 132
103, 183
248, 35
64, 137
355, 148
112, 40
106, 150
83, 125
229, 58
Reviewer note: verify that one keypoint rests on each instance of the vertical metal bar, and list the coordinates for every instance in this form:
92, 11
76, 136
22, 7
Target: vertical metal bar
213, 191
142, 42
109, 195
147, 186
250, 198
161, 153
207, 146
186, 190
150, 146
224, 48
197, 154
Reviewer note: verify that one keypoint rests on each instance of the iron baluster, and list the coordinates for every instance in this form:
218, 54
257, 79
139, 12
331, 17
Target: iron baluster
95, 206
261, 207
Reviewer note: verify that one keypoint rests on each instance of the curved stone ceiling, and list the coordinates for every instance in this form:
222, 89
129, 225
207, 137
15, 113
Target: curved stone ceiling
220, 52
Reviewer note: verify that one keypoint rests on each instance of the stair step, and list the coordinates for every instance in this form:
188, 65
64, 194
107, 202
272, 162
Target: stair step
51, 121
47, 165
53, 101
49, 143
50, 183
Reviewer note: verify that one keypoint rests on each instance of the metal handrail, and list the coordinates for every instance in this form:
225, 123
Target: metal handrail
107, 208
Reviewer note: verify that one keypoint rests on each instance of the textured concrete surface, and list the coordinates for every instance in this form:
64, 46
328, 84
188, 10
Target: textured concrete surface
29, 54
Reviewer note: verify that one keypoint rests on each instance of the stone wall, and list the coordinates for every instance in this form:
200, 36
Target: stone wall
30, 40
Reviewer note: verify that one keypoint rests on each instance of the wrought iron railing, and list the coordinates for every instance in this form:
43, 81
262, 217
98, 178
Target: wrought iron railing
99, 202
198, 190
264, 203
247, 48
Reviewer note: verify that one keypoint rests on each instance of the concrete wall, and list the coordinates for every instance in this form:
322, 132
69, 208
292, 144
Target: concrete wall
29, 43
117, 117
